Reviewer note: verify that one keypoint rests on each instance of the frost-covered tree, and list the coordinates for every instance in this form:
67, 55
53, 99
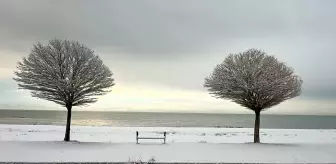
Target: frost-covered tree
65, 72
254, 80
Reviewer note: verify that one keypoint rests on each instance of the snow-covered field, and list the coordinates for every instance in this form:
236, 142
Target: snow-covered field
117, 144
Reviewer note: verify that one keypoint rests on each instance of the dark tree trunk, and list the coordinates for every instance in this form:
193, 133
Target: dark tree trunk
257, 127
67, 130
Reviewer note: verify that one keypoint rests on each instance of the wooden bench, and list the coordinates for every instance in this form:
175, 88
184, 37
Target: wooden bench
151, 138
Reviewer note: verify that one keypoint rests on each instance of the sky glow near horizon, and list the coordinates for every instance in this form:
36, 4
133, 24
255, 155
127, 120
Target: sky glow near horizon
161, 51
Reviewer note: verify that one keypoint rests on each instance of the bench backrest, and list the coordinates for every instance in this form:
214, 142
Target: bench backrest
137, 137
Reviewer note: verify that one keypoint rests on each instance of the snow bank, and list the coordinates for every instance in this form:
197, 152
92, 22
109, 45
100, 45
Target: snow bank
113, 144
57, 151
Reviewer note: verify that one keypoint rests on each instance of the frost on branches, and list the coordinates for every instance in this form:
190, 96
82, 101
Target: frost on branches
65, 72
254, 80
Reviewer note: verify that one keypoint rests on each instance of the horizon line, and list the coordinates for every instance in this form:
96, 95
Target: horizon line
167, 112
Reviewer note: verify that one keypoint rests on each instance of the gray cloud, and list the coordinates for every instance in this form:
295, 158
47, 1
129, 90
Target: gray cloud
177, 43
153, 28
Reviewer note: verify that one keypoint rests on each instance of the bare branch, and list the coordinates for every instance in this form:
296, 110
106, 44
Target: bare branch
64, 72
254, 80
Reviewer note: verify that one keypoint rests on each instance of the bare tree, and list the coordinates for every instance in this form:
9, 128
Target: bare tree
255, 81
65, 72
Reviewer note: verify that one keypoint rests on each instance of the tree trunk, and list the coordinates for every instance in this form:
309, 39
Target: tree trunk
257, 127
67, 130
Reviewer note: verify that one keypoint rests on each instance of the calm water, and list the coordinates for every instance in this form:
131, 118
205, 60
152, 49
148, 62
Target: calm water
165, 119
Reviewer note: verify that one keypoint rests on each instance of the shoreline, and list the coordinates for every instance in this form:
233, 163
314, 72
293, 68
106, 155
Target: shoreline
9, 132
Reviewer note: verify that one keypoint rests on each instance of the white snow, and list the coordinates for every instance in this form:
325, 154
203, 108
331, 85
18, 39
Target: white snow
43, 143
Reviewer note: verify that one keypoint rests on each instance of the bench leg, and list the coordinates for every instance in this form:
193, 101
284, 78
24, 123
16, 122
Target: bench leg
164, 137
137, 137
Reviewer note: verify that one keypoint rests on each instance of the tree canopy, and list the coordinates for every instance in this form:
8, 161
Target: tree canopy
64, 72
254, 80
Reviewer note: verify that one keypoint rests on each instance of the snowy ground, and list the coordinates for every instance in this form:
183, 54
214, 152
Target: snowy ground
113, 144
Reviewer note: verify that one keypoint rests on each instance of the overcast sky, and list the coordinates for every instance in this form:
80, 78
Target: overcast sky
161, 51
